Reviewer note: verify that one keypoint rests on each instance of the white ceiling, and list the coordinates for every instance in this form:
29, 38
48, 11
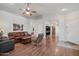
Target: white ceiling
41, 8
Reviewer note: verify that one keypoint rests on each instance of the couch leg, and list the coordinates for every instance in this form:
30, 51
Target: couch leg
0, 54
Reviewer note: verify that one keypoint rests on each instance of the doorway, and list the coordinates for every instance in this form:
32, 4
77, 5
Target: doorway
50, 35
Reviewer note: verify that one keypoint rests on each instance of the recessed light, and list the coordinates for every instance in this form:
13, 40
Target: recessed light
64, 9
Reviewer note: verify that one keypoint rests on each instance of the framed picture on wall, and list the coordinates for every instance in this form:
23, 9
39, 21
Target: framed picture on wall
17, 27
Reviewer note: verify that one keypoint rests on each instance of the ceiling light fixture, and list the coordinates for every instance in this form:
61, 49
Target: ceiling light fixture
28, 10
64, 9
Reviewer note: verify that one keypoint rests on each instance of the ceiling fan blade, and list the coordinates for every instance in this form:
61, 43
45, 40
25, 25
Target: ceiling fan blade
30, 14
23, 12
33, 11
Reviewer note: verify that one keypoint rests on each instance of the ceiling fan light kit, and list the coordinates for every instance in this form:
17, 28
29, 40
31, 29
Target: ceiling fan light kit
28, 11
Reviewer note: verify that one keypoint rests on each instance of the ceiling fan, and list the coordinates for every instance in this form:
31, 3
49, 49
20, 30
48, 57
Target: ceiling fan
28, 10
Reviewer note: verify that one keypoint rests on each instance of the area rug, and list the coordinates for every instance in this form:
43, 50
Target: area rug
67, 44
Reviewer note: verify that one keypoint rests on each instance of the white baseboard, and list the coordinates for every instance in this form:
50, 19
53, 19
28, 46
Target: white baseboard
73, 42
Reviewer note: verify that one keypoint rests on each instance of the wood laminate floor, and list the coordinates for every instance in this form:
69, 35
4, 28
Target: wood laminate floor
47, 48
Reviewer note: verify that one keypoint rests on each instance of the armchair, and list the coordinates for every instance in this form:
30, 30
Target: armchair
38, 40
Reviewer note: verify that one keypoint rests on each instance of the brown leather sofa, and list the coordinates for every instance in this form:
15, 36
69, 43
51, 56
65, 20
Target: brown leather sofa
18, 36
